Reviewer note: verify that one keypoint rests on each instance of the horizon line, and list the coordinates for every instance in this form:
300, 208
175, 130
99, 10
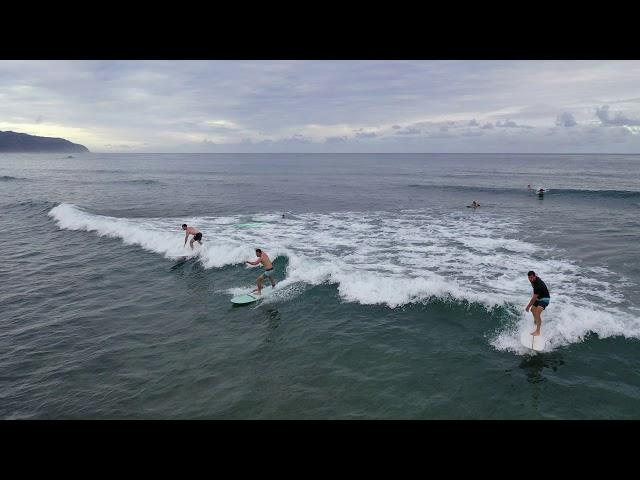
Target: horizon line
370, 153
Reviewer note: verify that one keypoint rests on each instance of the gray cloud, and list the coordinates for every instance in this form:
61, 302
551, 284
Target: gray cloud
295, 139
618, 120
335, 139
511, 124
472, 133
408, 131
627, 100
171, 104
507, 124
366, 135
566, 120
603, 114
441, 134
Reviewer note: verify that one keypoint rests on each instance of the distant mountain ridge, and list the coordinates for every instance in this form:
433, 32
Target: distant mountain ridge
22, 142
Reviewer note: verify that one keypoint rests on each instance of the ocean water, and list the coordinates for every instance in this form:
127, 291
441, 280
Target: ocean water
394, 300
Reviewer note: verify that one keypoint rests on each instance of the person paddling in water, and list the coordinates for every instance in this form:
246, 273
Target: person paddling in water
539, 300
268, 269
197, 236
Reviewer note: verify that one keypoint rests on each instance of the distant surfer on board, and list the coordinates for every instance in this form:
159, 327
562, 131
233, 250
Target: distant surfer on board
539, 300
268, 269
197, 236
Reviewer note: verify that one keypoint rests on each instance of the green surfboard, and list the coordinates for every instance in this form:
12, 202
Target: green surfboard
249, 225
252, 297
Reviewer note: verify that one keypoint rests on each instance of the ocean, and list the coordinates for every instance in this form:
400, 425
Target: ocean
394, 300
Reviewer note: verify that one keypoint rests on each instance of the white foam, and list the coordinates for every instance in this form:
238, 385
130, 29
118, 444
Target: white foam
140, 232
570, 322
399, 258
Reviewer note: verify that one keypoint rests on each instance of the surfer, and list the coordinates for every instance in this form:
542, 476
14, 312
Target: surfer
197, 236
539, 300
268, 269
475, 204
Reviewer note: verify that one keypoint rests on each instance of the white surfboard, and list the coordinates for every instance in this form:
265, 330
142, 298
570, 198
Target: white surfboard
253, 296
188, 253
536, 343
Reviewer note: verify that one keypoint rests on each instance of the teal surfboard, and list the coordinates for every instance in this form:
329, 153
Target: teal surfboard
252, 297
248, 225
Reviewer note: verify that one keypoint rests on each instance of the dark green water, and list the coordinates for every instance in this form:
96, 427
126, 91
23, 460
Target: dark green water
394, 299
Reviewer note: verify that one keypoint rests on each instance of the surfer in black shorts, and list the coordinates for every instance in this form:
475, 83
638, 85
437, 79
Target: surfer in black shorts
539, 300
197, 236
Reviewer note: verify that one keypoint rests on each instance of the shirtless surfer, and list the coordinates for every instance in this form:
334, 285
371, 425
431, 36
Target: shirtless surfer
268, 269
197, 236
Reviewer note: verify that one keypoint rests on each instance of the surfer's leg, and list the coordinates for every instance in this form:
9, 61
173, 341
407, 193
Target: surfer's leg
537, 311
191, 244
259, 282
273, 283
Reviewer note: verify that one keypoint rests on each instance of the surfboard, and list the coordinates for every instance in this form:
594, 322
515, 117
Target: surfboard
247, 225
252, 297
536, 343
189, 253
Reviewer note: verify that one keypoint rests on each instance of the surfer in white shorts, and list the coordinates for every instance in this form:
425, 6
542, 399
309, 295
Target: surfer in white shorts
268, 269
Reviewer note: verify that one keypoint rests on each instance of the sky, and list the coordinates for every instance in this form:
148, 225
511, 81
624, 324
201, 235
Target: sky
380, 106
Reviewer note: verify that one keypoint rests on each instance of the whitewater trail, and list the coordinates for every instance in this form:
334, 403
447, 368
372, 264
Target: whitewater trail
396, 259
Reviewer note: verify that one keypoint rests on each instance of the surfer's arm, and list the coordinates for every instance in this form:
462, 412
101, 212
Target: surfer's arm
186, 237
254, 263
534, 297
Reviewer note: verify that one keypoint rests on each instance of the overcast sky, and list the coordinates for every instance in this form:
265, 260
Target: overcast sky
327, 106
